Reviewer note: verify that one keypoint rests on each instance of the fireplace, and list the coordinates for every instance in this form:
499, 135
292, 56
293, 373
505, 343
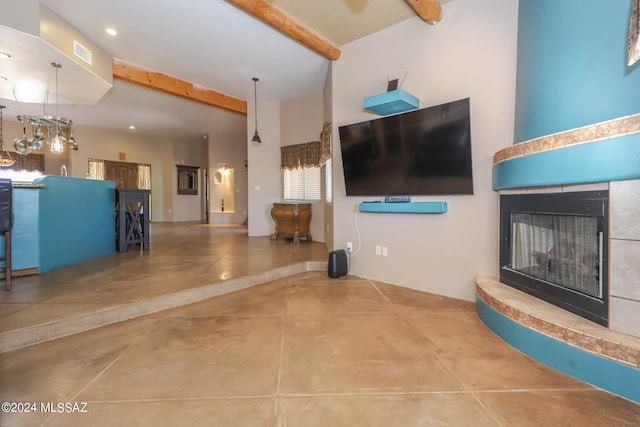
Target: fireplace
554, 246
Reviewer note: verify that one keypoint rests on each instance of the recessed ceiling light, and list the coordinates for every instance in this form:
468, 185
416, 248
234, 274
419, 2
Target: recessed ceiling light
4, 55
111, 31
132, 127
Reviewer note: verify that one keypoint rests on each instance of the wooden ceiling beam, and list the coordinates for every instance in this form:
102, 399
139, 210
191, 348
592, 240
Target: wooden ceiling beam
429, 10
139, 76
284, 23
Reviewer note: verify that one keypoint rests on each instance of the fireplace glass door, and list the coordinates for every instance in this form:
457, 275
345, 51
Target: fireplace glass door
561, 249
553, 246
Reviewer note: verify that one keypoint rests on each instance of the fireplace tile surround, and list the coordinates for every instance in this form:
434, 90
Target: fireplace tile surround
624, 204
624, 249
555, 247
602, 156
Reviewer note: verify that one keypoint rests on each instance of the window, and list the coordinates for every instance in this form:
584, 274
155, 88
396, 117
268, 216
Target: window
302, 184
144, 177
302, 168
96, 169
328, 182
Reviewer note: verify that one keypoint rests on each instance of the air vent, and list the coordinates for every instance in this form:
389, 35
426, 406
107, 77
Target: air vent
82, 52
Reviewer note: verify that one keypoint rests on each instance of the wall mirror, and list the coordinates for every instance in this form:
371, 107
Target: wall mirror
187, 179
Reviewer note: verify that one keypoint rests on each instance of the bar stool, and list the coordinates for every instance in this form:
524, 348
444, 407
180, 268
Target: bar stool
6, 223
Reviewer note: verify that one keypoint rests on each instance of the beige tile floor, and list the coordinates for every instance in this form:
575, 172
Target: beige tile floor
305, 350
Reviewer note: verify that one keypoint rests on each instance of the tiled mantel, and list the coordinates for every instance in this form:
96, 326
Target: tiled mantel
602, 152
623, 126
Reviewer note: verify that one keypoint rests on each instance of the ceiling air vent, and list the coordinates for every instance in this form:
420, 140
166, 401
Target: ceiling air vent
82, 52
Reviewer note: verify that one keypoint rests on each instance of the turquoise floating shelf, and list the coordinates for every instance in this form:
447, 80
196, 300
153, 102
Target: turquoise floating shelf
392, 102
411, 207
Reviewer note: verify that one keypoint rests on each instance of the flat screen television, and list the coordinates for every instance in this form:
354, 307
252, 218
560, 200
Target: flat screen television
420, 152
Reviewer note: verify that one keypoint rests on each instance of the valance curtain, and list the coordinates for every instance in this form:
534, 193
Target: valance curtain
307, 155
634, 33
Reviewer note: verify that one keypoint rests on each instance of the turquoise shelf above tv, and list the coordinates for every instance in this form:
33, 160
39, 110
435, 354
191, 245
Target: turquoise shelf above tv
392, 102
411, 207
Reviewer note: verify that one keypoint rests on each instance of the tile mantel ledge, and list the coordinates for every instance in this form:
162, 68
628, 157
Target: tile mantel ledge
558, 324
622, 126
603, 152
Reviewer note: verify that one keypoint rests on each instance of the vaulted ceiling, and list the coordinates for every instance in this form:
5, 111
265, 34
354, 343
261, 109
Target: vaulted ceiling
215, 45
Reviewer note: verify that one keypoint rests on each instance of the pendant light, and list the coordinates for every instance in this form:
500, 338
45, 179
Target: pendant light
58, 141
256, 138
8, 161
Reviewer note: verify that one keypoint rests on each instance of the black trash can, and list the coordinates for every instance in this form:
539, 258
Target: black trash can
338, 263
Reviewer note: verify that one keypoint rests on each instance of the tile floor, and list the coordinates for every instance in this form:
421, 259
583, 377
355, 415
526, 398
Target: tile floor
183, 256
304, 350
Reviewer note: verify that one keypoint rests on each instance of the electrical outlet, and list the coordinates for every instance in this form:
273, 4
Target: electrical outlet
349, 247
384, 251
378, 250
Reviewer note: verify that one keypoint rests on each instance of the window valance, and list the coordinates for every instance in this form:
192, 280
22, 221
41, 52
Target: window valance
309, 154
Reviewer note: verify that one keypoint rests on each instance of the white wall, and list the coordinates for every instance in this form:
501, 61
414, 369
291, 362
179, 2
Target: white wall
300, 122
188, 153
105, 144
264, 182
470, 53
301, 119
230, 149
290, 122
327, 113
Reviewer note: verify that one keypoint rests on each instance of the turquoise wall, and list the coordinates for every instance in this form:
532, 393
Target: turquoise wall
572, 67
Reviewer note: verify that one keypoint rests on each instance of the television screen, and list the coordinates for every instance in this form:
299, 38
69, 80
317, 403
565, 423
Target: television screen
420, 152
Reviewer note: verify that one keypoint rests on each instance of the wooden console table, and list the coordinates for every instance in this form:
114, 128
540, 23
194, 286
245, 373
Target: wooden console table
292, 220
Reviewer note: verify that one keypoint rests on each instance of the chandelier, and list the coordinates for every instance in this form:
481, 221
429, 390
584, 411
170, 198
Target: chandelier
45, 130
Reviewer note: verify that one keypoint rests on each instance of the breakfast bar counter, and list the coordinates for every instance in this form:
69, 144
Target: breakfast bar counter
60, 221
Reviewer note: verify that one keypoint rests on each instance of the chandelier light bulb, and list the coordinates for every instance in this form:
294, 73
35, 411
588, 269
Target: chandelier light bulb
57, 144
